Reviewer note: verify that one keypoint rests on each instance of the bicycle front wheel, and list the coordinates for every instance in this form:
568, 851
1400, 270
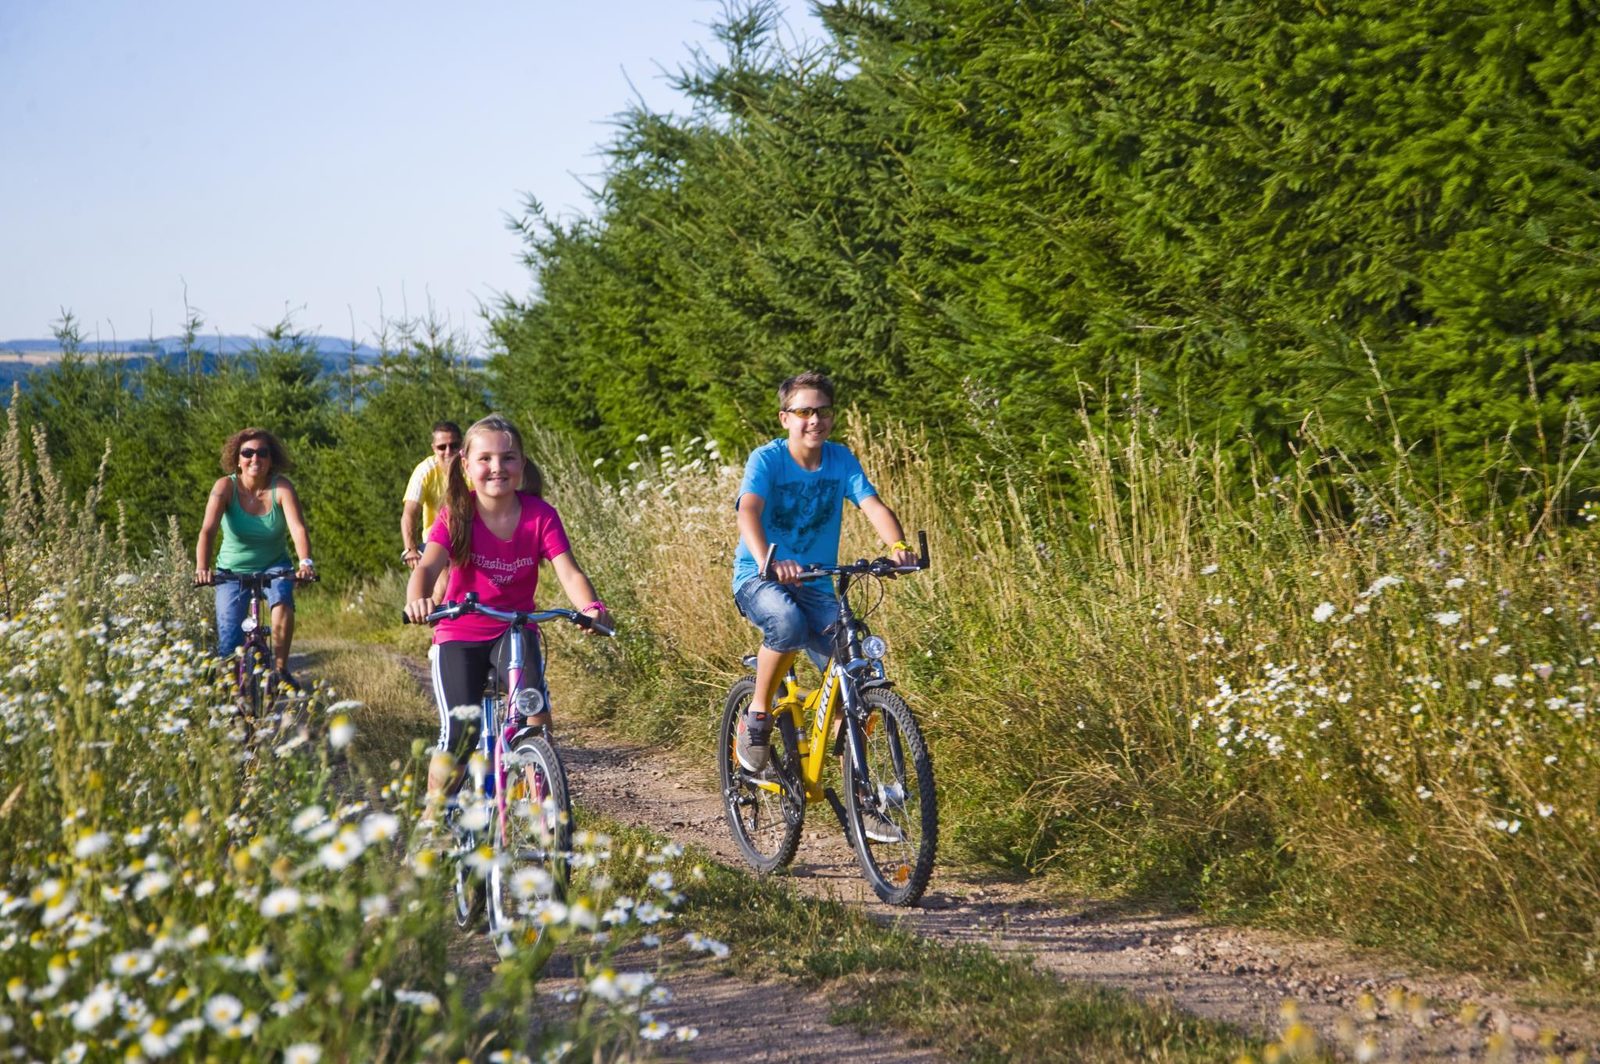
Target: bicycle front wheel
535, 834
252, 680
761, 808
892, 813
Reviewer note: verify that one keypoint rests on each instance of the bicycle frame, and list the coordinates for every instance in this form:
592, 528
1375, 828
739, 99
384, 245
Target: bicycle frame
495, 737
848, 673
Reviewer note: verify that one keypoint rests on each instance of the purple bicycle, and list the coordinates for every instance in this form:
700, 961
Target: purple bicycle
518, 815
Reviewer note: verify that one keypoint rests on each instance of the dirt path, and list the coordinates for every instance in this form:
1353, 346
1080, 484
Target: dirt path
1237, 976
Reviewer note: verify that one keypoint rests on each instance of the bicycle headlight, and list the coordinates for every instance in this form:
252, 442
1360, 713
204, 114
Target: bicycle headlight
248, 624
874, 646
529, 702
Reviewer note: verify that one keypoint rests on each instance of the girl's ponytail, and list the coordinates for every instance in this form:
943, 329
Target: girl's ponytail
459, 510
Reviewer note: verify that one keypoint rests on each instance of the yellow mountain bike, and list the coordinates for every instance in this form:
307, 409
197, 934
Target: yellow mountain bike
888, 810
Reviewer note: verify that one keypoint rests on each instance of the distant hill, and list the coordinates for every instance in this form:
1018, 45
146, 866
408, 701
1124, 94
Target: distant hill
19, 358
325, 346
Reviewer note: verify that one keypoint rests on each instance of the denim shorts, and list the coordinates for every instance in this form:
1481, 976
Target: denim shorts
232, 604
791, 617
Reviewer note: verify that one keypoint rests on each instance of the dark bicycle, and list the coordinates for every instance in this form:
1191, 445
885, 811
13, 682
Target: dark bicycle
257, 684
889, 811
519, 807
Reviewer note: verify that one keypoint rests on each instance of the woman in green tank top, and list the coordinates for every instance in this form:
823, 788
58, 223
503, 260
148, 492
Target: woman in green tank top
257, 510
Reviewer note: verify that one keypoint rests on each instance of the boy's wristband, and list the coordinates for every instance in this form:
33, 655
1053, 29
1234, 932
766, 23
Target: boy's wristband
595, 605
899, 544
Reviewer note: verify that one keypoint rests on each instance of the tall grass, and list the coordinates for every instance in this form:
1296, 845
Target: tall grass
172, 888
1314, 699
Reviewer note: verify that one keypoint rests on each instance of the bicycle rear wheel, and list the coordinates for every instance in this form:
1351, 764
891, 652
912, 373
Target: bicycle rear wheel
762, 810
535, 843
892, 814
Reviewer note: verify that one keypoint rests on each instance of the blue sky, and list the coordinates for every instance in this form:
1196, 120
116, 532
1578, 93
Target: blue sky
340, 161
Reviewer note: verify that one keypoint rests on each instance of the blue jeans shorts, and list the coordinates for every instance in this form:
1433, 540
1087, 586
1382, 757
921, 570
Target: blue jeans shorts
231, 607
791, 617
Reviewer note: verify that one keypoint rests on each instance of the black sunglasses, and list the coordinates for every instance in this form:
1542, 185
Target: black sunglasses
254, 452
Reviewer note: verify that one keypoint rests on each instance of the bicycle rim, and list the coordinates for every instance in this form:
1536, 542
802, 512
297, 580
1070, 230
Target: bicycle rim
892, 812
468, 892
531, 868
765, 823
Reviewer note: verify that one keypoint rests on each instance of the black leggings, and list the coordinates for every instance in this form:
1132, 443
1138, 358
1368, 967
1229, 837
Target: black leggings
460, 672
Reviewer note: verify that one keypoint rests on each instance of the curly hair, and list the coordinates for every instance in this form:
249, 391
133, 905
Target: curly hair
230, 450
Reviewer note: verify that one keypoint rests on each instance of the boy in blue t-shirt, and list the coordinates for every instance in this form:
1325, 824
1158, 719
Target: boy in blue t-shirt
792, 496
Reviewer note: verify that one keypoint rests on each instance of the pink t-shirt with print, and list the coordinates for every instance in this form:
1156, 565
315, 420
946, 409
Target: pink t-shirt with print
504, 573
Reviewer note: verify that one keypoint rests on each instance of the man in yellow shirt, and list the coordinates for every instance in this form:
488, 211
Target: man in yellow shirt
425, 490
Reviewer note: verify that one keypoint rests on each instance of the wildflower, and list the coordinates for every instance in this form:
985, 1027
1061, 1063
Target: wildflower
302, 1053
131, 962
427, 1003
379, 827
1544, 809
582, 915
652, 1030
89, 845
341, 732
95, 1008
150, 885
281, 902
1209, 569
308, 818
222, 1011
530, 880
1377, 586
1447, 618
343, 850
1323, 612
1504, 679
686, 1034
661, 880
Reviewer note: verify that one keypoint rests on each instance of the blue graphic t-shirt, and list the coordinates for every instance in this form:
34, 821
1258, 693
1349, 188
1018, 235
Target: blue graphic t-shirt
803, 508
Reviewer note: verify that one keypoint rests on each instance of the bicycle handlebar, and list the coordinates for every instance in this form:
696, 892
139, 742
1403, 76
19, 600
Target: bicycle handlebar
229, 576
876, 567
452, 610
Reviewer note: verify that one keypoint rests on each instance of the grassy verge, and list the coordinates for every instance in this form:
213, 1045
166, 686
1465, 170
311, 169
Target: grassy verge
1316, 701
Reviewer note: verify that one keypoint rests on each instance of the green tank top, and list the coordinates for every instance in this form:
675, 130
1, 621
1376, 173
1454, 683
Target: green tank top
251, 542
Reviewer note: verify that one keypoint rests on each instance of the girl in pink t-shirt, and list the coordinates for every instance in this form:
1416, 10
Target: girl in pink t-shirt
493, 537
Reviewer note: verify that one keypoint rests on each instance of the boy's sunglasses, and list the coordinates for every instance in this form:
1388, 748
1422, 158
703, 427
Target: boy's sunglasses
254, 452
804, 412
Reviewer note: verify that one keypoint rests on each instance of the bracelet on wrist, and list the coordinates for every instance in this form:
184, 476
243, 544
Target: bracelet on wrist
595, 605
899, 544
308, 563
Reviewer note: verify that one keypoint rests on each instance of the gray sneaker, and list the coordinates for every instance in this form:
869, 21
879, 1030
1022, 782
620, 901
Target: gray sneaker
879, 828
754, 740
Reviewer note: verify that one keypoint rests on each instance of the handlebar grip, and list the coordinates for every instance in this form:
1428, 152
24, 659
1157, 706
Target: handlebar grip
405, 618
766, 566
922, 548
583, 620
